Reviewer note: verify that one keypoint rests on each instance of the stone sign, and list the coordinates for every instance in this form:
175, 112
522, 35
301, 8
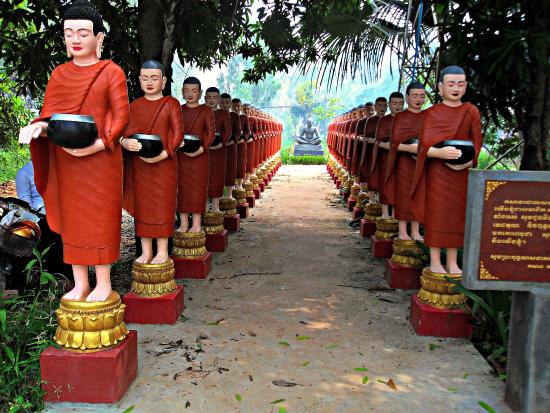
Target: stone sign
507, 238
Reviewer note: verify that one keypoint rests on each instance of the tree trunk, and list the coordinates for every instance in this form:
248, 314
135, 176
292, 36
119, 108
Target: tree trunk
536, 120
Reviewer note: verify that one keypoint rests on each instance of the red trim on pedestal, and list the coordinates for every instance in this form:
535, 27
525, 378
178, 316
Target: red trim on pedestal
232, 223
257, 193
262, 186
193, 268
381, 248
96, 377
427, 320
357, 212
401, 277
337, 183
251, 201
243, 211
217, 242
351, 204
165, 309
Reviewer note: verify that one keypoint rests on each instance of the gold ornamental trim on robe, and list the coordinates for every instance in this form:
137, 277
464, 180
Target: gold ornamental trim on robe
90, 326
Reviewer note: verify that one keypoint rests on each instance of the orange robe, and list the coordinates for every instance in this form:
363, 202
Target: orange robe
242, 148
218, 157
366, 155
357, 146
193, 171
150, 188
352, 127
379, 165
83, 195
232, 150
251, 144
438, 192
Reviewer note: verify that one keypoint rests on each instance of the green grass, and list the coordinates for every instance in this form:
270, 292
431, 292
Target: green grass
287, 158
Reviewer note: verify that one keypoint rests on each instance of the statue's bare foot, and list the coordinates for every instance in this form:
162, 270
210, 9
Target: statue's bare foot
454, 269
438, 269
418, 238
195, 229
77, 293
143, 258
159, 259
385, 216
181, 228
405, 237
99, 293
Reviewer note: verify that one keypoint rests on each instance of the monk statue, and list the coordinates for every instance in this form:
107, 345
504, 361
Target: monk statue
309, 135
218, 152
401, 161
380, 152
151, 140
449, 143
237, 107
193, 160
79, 175
231, 145
366, 113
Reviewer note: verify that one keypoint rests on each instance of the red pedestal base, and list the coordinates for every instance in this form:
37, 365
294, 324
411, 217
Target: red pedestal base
154, 310
430, 321
197, 268
97, 377
381, 248
257, 193
368, 228
346, 195
337, 183
232, 223
351, 204
217, 242
357, 213
251, 201
266, 182
402, 277
262, 186
242, 210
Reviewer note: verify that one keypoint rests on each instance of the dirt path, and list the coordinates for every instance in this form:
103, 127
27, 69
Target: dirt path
298, 298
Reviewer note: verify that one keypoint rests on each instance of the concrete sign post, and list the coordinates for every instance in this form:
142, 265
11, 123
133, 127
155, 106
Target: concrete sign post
507, 247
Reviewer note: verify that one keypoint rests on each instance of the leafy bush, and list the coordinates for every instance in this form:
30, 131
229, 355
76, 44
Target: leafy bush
289, 159
27, 323
13, 116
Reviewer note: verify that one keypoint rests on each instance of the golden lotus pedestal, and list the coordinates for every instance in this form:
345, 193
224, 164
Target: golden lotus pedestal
228, 206
355, 188
404, 268
231, 217
217, 239
438, 310
249, 191
373, 212
154, 297
242, 203
101, 363
191, 258
382, 240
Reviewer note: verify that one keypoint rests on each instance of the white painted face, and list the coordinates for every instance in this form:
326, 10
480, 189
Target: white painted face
191, 93
453, 87
80, 39
152, 82
416, 98
212, 99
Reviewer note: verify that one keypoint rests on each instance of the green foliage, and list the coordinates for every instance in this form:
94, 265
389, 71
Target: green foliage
13, 116
288, 159
27, 323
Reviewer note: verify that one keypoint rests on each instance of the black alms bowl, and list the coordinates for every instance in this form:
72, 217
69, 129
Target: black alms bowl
217, 139
151, 145
467, 148
72, 131
192, 143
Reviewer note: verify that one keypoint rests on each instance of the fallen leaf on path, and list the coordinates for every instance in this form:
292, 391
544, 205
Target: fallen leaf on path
250, 377
391, 384
365, 380
305, 363
487, 407
129, 409
214, 323
361, 369
238, 397
331, 346
465, 376
187, 404
452, 389
302, 338
277, 401
284, 343
284, 383
434, 347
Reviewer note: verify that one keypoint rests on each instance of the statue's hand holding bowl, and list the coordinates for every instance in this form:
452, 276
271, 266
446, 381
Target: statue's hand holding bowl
131, 144
449, 153
32, 131
97, 146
